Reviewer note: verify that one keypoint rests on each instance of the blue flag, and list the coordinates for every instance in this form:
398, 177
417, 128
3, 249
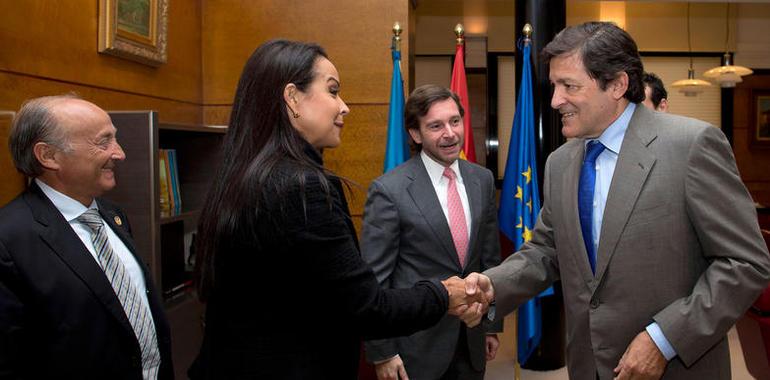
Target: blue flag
520, 201
397, 150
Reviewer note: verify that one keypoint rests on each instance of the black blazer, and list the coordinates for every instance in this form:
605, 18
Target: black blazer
292, 297
59, 316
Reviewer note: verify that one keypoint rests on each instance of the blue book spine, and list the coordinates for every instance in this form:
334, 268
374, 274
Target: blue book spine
173, 168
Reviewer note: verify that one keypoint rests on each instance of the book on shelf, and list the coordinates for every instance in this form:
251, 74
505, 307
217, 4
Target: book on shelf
174, 171
170, 199
165, 203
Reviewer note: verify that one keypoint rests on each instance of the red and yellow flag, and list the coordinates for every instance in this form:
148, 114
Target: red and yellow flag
459, 86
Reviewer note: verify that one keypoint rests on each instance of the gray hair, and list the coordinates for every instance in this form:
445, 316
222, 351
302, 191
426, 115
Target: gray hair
36, 123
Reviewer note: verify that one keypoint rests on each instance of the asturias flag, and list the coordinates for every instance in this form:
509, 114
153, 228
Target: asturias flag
397, 150
460, 87
520, 201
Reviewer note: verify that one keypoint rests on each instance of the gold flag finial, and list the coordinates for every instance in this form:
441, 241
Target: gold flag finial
460, 33
527, 30
396, 36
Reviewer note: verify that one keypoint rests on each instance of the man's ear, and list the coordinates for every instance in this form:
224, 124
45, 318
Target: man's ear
619, 85
415, 135
663, 105
46, 155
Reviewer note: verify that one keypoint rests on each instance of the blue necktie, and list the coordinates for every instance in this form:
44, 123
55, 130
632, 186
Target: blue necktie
586, 198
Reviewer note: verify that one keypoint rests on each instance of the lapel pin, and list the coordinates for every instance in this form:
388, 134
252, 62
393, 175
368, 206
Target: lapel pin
118, 221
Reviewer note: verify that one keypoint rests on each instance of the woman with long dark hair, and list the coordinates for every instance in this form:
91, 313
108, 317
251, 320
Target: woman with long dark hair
288, 296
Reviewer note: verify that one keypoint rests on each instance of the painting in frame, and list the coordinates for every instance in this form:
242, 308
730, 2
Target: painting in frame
759, 127
134, 29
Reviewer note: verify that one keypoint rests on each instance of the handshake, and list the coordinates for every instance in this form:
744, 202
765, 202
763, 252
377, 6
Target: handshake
469, 298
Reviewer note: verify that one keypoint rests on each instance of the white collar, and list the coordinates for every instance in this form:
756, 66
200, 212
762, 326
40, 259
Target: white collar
68, 207
436, 170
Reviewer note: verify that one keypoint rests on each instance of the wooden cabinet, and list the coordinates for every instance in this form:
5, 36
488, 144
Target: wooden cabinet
163, 240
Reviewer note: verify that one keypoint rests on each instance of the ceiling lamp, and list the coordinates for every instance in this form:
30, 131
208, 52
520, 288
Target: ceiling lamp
727, 75
690, 86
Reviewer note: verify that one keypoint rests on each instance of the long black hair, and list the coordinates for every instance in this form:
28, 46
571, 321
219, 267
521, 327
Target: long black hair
259, 136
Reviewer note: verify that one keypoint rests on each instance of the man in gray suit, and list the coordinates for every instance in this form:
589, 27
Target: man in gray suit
646, 223
432, 217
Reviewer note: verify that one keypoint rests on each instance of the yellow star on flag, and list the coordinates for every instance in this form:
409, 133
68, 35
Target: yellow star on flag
528, 174
521, 223
527, 234
530, 204
519, 193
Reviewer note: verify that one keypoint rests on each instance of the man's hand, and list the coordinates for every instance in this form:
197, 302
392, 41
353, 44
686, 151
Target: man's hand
479, 288
477, 283
492, 343
391, 369
458, 295
642, 360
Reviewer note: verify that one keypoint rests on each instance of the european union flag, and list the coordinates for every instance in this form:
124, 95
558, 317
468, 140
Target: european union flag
397, 150
520, 200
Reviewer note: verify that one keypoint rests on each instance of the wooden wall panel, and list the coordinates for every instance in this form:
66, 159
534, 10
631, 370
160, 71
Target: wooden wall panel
23, 87
12, 182
355, 33
752, 162
360, 156
58, 40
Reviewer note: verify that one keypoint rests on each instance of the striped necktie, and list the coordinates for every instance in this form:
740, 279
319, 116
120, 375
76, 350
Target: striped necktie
136, 310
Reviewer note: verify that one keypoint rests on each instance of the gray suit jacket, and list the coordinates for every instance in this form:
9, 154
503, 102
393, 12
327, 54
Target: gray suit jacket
679, 245
406, 238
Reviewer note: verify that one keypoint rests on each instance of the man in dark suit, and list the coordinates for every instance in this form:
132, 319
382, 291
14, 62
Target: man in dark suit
76, 301
646, 223
432, 217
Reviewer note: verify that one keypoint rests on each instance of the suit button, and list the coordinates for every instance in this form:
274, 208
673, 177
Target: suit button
594, 304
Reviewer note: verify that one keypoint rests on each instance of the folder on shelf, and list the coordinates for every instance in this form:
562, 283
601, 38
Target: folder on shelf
174, 181
165, 202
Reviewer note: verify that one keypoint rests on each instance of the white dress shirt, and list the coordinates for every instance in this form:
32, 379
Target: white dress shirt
71, 210
441, 185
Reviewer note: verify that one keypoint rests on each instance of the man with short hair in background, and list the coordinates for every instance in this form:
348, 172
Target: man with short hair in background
655, 94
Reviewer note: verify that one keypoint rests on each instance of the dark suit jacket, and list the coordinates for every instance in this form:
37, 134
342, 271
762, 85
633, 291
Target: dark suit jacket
679, 245
406, 238
292, 297
59, 316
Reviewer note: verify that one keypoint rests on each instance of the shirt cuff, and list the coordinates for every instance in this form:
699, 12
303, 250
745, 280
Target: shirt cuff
491, 313
660, 340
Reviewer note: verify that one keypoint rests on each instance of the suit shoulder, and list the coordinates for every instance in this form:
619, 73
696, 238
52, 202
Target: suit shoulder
15, 217
397, 174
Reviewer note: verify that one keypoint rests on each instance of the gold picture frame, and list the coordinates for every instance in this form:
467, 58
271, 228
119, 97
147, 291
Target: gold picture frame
134, 29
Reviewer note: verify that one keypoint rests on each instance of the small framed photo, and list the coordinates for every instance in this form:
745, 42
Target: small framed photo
134, 29
759, 128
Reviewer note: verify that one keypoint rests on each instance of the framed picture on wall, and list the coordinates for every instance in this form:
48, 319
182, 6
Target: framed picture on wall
134, 29
759, 127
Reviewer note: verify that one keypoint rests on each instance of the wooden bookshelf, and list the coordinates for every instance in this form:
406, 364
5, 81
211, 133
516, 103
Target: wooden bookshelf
160, 239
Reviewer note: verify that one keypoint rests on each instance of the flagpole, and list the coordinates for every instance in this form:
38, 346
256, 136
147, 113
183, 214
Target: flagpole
527, 30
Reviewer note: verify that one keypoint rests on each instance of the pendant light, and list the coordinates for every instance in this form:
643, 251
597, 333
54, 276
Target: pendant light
690, 86
727, 75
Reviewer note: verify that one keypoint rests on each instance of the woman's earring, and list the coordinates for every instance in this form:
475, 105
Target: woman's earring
296, 115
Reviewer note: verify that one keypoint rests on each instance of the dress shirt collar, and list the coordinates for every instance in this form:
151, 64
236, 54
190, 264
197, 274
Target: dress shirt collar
612, 137
436, 170
70, 208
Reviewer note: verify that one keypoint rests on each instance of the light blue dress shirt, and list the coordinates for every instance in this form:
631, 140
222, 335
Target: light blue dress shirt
612, 139
71, 210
